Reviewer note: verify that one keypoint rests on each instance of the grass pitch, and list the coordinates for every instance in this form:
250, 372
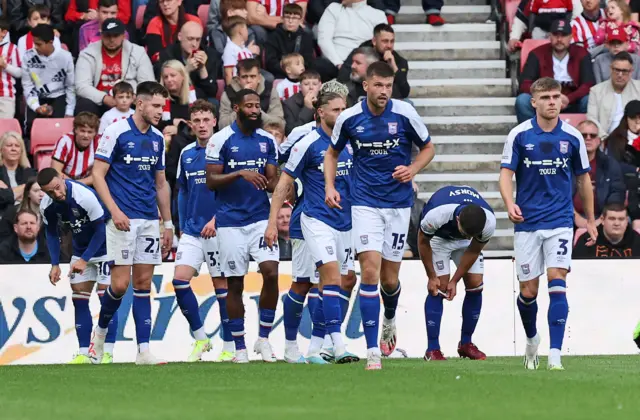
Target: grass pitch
603, 388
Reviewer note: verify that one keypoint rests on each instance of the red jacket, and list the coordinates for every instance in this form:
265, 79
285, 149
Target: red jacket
74, 10
540, 64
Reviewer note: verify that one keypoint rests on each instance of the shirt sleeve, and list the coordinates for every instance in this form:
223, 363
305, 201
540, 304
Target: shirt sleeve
160, 166
431, 221
579, 158
415, 130
89, 202
340, 135
62, 149
229, 58
510, 153
107, 145
272, 158
215, 154
489, 228
297, 161
181, 180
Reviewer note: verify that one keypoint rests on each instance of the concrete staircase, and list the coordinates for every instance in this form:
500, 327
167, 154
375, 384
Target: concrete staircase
459, 87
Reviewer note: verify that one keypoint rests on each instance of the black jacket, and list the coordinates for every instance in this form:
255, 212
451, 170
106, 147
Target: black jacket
178, 142
295, 113
17, 15
6, 194
152, 10
356, 93
401, 86
628, 247
10, 253
610, 185
205, 88
280, 43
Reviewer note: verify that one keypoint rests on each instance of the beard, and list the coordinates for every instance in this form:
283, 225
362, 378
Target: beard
355, 78
252, 124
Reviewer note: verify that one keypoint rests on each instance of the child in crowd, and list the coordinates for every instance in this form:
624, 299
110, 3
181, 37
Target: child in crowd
276, 130
39, 13
293, 66
123, 93
237, 32
619, 16
10, 70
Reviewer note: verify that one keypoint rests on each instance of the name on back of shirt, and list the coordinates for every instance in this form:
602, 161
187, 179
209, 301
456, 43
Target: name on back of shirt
464, 191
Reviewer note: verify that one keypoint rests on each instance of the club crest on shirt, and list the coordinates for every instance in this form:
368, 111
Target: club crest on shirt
564, 147
263, 147
125, 254
155, 146
440, 265
525, 269
393, 128
329, 250
364, 239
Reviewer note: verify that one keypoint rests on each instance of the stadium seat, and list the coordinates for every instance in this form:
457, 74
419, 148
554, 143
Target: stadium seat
10, 124
527, 46
140, 16
573, 119
44, 160
221, 86
203, 14
45, 132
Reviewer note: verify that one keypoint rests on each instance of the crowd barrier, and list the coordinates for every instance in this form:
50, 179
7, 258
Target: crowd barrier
37, 325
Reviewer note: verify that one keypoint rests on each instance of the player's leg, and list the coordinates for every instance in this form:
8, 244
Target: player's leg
228, 346
348, 282
397, 225
104, 280
557, 249
81, 288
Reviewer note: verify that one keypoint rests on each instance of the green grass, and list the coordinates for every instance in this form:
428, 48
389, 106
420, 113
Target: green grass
603, 388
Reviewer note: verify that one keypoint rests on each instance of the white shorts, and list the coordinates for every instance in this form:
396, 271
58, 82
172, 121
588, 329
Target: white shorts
141, 245
327, 244
240, 243
303, 269
98, 269
194, 251
535, 250
381, 230
445, 250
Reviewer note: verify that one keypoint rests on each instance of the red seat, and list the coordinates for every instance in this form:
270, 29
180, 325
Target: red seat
44, 160
573, 119
10, 124
203, 14
140, 16
527, 46
221, 86
45, 132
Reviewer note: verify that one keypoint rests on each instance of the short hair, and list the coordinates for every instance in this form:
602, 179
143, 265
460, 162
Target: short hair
230, 24
613, 207
545, 84
24, 210
151, 88
472, 220
248, 64
43, 10
238, 98
227, 5
122, 87
310, 74
623, 56
274, 124
292, 9
86, 119
334, 86
46, 175
202, 105
383, 27
594, 123
4, 25
325, 98
43, 32
370, 54
380, 69
107, 3
288, 60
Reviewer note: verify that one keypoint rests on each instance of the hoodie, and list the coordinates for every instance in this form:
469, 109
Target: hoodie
628, 247
281, 42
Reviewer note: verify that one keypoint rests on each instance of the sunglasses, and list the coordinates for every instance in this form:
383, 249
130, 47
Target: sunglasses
589, 135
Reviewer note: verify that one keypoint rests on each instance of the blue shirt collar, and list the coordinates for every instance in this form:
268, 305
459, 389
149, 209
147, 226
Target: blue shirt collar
536, 128
367, 111
27, 257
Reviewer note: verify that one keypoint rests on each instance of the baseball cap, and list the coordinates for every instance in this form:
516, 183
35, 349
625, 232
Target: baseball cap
616, 33
561, 26
632, 109
113, 26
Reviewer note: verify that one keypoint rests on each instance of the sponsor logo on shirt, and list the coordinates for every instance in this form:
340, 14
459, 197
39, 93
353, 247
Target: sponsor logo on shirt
529, 147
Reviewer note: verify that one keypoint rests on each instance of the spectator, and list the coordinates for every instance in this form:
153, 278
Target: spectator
298, 109
37, 14
343, 27
619, 15
202, 63
617, 41
15, 169
544, 13
431, 8
175, 79
568, 64
293, 66
606, 176
24, 247
107, 9
104, 63
620, 143
362, 58
608, 99
616, 238
9, 71
249, 77
584, 27
152, 10
383, 42
87, 11
235, 49
18, 13
162, 29
284, 242
267, 14
276, 130
74, 152
220, 11
124, 96
316, 8
47, 78
31, 201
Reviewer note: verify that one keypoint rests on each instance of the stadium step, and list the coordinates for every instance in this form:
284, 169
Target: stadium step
463, 50
475, 125
476, 69
464, 163
463, 107
482, 182
449, 32
449, 2
457, 88
451, 14
447, 145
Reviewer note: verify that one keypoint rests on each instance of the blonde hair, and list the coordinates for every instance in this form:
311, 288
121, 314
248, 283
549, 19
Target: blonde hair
624, 8
186, 83
24, 161
289, 59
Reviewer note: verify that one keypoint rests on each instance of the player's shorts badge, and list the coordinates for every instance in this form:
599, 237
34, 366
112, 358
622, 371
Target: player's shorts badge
232, 265
329, 250
178, 255
393, 128
564, 147
155, 146
440, 265
525, 269
125, 254
263, 147
364, 239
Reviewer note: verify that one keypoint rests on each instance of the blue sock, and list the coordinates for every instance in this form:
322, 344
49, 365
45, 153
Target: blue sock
312, 301
236, 326
142, 315
188, 303
112, 329
345, 298
292, 308
266, 321
471, 307
528, 308
390, 301
221, 296
84, 322
433, 318
110, 304
317, 318
558, 312
331, 308
370, 311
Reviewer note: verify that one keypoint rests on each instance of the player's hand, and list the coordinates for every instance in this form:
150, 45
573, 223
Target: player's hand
332, 198
54, 274
592, 230
121, 221
167, 240
271, 235
433, 286
77, 267
515, 214
452, 289
403, 174
209, 230
258, 180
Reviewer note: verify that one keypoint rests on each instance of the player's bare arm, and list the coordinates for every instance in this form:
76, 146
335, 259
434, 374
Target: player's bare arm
54, 274
506, 191
467, 260
216, 179
426, 256
164, 203
279, 196
406, 173
586, 194
99, 172
271, 173
332, 196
